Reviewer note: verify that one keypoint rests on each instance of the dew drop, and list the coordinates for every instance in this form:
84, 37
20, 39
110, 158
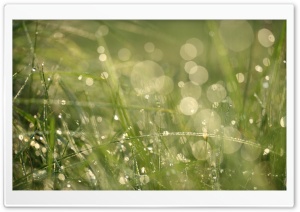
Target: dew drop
266, 151
99, 119
266, 61
101, 49
44, 150
265, 84
240, 77
266, 37
144, 179
188, 106
58, 132
80, 77
116, 117
102, 57
36, 146
61, 177
283, 121
89, 81
180, 84
122, 180
21, 137
104, 75
258, 68
251, 120
166, 133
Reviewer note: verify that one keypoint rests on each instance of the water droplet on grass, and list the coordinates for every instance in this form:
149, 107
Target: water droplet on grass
251, 120
21, 137
102, 57
36, 146
283, 122
80, 77
266, 37
144, 179
61, 177
89, 81
240, 77
99, 119
166, 133
101, 49
59, 132
104, 75
266, 61
258, 68
122, 180
265, 84
180, 84
44, 150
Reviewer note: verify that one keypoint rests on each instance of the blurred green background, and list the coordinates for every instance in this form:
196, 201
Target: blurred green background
149, 105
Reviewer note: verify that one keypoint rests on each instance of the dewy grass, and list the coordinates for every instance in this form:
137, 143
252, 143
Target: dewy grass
100, 105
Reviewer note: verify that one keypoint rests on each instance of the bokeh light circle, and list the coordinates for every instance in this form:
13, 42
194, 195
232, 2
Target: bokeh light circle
201, 150
188, 106
237, 35
216, 93
230, 141
144, 75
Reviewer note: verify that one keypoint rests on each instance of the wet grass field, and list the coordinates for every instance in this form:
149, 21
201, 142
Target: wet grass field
149, 105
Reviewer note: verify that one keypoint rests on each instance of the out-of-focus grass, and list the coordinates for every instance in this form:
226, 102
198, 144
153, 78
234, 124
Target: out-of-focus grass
109, 105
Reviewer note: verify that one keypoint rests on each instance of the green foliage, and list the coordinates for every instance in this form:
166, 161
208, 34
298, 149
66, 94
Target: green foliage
149, 105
